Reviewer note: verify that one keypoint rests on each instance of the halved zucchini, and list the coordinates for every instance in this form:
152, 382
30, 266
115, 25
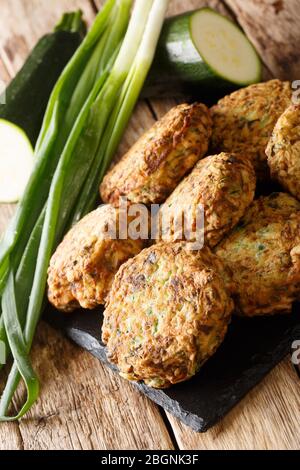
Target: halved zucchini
224, 47
204, 48
16, 161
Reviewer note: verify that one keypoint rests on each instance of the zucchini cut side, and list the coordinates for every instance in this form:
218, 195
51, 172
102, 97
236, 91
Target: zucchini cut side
202, 53
16, 161
224, 47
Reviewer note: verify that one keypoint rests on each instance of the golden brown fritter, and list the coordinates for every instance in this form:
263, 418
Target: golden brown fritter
84, 265
263, 253
167, 313
283, 151
243, 122
223, 184
151, 170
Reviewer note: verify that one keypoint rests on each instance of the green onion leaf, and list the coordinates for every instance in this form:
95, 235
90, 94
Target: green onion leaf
86, 117
19, 350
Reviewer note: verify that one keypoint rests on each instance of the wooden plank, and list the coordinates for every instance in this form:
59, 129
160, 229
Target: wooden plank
273, 27
18, 37
79, 401
267, 418
6, 210
252, 409
85, 406
178, 6
82, 404
10, 435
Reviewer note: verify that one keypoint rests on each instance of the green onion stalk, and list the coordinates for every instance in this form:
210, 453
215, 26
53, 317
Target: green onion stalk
86, 117
45, 235
60, 117
123, 109
51, 141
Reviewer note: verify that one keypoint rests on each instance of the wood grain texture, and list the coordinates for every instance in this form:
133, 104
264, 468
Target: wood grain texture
6, 210
267, 418
253, 408
82, 404
10, 437
18, 37
273, 27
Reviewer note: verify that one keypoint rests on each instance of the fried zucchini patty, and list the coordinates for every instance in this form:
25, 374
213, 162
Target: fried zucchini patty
151, 170
223, 184
243, 122
167, 313
84, 265
283, 151
263, 253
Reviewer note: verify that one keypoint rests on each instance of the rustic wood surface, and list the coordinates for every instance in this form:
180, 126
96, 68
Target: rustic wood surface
274, 28
82, 404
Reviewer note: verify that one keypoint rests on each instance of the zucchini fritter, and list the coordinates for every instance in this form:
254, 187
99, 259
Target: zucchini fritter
223, 184
167, 313
283, 151
263, 253
153, 167
84, 265
243, 122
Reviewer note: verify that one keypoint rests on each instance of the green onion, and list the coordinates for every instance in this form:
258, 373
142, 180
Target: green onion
135, 81
58, 123
50, 143
149, 35
39, 271
93, 99
48, 235
18, 347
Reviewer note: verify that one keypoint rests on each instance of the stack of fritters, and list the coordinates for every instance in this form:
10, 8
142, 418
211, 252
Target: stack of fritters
283, 151
244, 121
263, 253
84, 265
159, 160
168, 307
167, 313
223, 185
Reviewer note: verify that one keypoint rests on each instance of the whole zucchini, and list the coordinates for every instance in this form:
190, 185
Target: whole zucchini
27, 95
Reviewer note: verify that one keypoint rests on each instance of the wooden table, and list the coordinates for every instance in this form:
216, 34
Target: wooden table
82, 404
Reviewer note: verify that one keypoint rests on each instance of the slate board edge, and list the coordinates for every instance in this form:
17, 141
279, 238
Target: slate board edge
92, 345
157, 396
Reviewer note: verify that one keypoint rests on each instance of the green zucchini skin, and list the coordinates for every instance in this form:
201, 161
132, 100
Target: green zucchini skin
178, 68
28, 94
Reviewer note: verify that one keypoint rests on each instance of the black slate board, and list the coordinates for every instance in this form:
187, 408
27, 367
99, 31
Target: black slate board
251, 349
